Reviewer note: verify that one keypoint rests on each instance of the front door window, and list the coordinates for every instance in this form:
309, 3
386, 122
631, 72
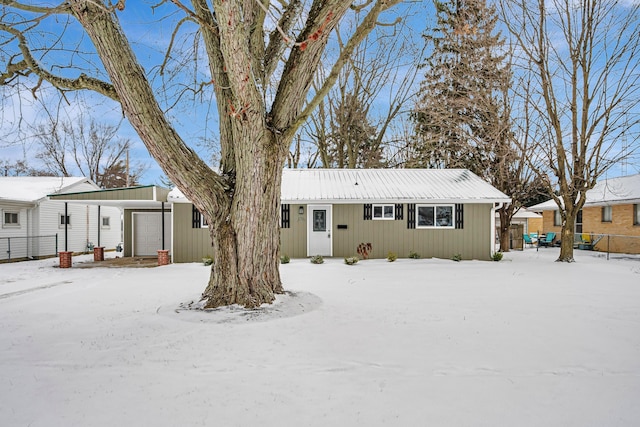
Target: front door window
319, 220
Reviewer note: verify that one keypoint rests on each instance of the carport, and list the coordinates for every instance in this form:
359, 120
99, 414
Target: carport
145, 224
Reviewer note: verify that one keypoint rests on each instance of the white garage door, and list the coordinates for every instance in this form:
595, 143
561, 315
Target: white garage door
147, 233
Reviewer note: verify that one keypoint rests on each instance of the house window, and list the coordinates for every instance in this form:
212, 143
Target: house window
435, 216
64, 220
383, 212
197, 219
11, 219
557, 218
106, 222
606, 214
636, 214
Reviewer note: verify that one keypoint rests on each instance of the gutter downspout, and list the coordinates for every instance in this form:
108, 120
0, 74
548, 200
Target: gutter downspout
495, 207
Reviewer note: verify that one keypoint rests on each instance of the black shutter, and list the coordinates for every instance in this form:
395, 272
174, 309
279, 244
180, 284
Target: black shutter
368, 211
195, 217
399, 208
285, 215
411, 215
459, 216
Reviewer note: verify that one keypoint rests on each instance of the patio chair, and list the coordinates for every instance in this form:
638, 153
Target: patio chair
548, 240
527, 240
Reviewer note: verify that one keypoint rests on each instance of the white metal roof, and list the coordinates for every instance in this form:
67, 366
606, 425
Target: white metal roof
387, 185
612, 191
381, 185
33, 188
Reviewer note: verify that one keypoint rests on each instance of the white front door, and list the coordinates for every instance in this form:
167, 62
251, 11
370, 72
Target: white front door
147, 233
319, 241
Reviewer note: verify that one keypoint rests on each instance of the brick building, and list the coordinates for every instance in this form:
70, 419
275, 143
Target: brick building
610, 218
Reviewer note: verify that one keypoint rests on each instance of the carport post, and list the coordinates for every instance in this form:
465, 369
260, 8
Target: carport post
65, 257
162, 205
99, 225
66, 226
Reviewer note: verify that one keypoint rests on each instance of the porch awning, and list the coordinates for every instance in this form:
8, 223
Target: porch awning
142, 197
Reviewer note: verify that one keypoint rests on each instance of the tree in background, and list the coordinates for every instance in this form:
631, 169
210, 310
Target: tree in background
260, 60
580, 60
351, 127
463, 117
459, 115
94, 151
19, 168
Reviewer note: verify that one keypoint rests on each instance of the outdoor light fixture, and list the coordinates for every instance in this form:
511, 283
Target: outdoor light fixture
301, 210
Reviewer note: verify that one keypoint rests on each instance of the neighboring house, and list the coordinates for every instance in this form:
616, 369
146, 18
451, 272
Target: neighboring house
33, 225
610, 214
531, 222
330, 212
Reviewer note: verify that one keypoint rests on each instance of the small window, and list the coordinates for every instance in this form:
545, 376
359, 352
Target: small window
383, 212
435, 216
106, 222
557, 218
64, 220
636, 214
197, 219
606, 214
11, 219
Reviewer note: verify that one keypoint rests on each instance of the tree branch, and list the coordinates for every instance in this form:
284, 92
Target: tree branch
29, 65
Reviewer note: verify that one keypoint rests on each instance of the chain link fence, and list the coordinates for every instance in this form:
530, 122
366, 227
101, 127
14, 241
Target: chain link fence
614, 245
27, 247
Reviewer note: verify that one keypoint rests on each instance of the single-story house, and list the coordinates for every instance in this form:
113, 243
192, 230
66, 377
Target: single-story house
33, 225
610, 218
330, 212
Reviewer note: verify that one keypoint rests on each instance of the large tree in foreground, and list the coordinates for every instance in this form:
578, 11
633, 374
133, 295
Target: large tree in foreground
260, 104
580, 59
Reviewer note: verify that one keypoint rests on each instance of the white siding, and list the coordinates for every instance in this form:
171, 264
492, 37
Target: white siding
83, 227
12, 239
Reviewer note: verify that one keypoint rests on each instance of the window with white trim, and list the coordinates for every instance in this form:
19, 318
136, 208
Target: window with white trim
11, 219
606, 214
64, 220
435, 216
384, 212
106, 222
636, 214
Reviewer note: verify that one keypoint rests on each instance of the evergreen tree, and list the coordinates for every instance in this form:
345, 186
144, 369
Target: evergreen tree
463, 116
459, 118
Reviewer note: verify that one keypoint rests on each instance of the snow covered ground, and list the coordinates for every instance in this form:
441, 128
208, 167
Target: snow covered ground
522, 342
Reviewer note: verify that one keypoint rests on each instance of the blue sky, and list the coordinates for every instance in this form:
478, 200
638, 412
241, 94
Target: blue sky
194, 119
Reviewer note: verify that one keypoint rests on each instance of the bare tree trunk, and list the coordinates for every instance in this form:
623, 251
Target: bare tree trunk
245, 270
567, 235
505, 222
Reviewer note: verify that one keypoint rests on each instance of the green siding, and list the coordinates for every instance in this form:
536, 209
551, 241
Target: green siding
132, 193
472, 242
293, 240
189, 244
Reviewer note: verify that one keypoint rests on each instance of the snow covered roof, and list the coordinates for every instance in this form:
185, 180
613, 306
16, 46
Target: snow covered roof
612, 191
381, 185
526, 213
30, 189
